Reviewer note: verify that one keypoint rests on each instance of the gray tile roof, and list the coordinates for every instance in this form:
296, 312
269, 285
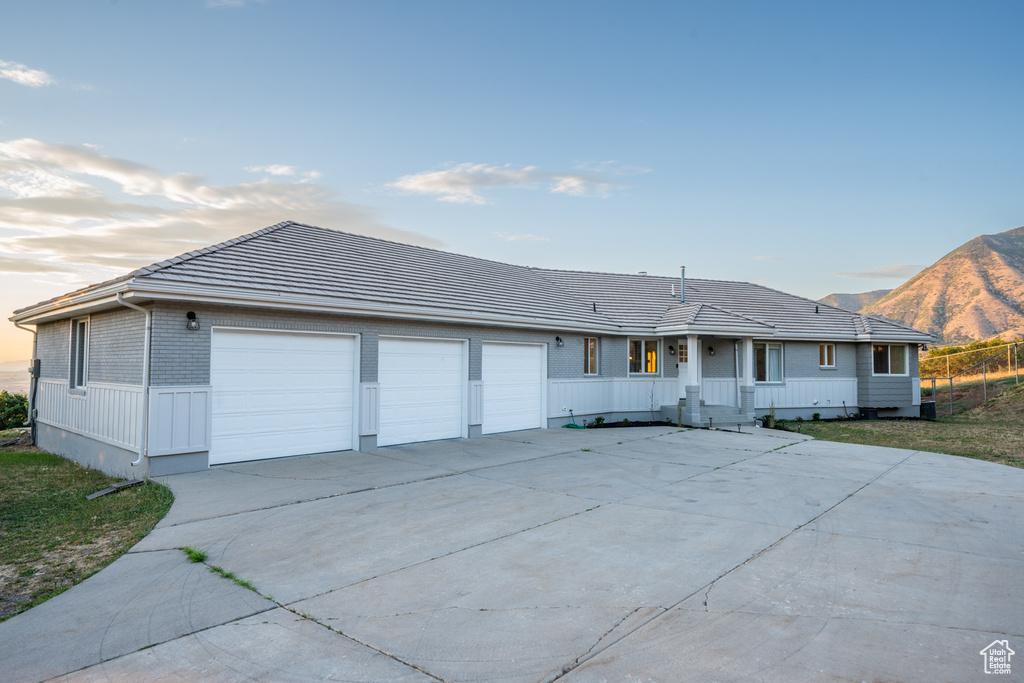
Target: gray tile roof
295, 259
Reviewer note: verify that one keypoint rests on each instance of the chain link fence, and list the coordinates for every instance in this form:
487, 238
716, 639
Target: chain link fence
963, 380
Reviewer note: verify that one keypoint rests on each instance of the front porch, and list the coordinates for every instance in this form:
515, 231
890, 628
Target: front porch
710, 415
725, 397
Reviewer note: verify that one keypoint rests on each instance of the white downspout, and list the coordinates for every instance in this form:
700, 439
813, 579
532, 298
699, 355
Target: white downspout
736, 359
33, 382
144, 446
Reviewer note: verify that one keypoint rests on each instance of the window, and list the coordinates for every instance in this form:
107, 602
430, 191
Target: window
590, 366
643, 356
827, 355
889, 359
768, 362
79, 352
683, 352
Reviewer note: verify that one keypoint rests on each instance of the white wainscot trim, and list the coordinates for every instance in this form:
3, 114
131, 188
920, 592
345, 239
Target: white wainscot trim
803, 392
476, 402
589, 396
719, 391
369, 408
111, 413
179, 420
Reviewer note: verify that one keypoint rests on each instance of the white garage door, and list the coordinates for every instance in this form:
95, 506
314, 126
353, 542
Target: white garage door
513, 378
421, 390
280, 393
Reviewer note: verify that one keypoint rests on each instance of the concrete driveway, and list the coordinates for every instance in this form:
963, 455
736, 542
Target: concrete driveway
619, 555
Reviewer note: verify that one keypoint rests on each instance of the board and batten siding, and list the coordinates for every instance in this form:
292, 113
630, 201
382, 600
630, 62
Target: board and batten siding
111, 413
591, 396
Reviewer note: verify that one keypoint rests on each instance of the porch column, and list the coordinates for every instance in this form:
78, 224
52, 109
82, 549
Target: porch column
747, 390
692, 412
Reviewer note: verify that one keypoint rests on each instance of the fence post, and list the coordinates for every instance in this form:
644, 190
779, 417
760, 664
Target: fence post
1016, 372
951, 397
984, 377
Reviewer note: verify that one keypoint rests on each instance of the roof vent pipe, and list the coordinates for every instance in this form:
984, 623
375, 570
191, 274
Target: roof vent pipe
682, 284
642, 272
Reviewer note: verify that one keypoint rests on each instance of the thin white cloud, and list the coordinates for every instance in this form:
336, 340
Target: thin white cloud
21, 74
272, 169
221, 4
767, 257
527, 237
463, 183
898, 271
71, 209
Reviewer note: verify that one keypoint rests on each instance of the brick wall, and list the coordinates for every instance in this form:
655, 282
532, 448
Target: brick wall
53, 349
181, 357
116, 346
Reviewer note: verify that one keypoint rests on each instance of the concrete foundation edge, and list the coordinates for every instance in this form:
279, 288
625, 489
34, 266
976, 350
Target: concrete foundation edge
90, 453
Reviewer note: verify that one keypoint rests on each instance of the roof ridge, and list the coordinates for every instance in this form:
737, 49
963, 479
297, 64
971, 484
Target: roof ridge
189, 255
740, 315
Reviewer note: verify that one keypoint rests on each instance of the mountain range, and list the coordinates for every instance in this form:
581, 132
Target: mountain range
972, 293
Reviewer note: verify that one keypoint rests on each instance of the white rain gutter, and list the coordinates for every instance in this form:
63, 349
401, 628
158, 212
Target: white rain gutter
144, 446
33, 381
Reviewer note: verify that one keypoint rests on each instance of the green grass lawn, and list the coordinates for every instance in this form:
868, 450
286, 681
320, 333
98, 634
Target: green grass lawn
993, 431
51, 537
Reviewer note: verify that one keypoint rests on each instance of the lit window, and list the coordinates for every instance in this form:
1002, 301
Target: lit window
643, 356
683, 352
590, 366
827, 355
79, 352
889, 359
768, 362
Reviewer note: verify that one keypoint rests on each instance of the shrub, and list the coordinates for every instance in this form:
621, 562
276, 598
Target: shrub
599, 420
816, 417
13, 410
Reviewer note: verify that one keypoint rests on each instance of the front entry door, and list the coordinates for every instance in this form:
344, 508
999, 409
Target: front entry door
684, 360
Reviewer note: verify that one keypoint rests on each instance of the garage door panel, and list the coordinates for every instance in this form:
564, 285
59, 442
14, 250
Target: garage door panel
278, 393
421, 390
513, 387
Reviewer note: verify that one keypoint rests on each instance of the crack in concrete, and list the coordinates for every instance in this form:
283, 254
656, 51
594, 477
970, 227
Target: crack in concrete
707, 589
761, 552
450, 473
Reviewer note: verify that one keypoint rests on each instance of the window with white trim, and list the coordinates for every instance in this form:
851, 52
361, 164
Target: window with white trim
79, 352
827, 355
643, 356
889, 359
683, 352
768, 362
590, 366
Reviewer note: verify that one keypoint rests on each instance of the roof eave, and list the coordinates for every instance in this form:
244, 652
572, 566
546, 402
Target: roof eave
715, 330
71, 305
362, 308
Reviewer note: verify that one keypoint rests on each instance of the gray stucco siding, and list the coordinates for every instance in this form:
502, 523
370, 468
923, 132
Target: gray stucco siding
884, 391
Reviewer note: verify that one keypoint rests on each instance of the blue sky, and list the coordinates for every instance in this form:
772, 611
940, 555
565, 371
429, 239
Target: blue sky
813, 147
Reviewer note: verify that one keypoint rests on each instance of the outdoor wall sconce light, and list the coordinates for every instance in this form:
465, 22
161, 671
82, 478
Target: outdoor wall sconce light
192, 323
671, 350
559, 342
711, 350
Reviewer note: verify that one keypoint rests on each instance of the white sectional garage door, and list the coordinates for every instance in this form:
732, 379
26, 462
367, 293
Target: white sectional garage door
513, 379
421, 390
280, 393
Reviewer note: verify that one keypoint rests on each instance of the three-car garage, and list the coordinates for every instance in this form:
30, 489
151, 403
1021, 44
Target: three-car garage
278, 393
